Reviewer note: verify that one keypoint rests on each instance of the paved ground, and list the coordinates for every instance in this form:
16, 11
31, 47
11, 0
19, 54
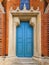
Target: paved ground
25, 61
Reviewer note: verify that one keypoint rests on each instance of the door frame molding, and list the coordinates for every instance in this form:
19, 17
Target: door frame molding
34, 18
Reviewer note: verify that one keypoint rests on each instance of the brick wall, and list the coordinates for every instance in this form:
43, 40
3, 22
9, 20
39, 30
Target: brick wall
2, 34
48, 33
35, 4
1, 0
47, 1
44, 35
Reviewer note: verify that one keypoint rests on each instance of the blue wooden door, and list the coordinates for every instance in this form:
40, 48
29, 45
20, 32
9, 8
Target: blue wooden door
24, 40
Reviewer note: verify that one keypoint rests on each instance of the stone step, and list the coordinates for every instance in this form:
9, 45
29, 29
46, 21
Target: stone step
21, 61
26, 61
24, 64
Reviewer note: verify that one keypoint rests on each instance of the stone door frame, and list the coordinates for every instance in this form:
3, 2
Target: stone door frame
14, 20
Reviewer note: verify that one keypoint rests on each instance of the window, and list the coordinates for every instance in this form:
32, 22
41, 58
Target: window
26, 2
